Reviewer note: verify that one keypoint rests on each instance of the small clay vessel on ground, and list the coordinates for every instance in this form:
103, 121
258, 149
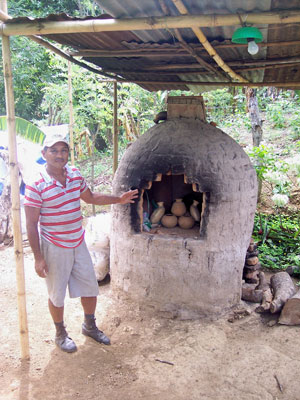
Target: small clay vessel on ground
178, 208
158, 213
169, 221
194, 211
186, 221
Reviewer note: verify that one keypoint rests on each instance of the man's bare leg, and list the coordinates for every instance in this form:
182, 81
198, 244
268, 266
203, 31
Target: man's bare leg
89, 304
57, 313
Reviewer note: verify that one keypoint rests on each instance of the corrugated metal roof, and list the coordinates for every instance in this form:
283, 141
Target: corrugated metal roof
170, 64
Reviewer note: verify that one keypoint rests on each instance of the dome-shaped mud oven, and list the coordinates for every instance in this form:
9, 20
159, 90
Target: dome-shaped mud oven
194, 271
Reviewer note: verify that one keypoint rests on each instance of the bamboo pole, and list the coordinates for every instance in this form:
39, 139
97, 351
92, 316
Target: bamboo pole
71, 114
201, 62
190, 50
115, 129
15, 195
211, 51
149, 23
4, 17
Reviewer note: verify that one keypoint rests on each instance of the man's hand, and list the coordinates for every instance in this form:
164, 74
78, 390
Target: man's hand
128, 197
41, 268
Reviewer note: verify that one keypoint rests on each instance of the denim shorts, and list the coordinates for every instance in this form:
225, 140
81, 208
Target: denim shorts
72, 268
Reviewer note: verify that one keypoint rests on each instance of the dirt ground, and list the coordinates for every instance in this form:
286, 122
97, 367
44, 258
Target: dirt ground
247, 359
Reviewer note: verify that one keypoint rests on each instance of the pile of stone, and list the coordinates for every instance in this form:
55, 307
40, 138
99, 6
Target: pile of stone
277, 296
252, 264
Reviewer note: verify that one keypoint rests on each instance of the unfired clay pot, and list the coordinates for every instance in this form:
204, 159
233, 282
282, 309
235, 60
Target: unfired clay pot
178, 208
169, 221
157, 213
186, 221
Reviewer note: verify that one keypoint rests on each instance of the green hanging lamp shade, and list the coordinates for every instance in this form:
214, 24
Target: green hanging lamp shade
243, 34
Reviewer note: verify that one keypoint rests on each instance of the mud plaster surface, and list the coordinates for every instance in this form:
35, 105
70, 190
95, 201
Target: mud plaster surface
211, 360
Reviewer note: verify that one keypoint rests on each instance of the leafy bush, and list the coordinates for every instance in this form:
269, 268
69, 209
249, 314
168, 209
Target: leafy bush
271, 169
278, 238
276, 115
294, 123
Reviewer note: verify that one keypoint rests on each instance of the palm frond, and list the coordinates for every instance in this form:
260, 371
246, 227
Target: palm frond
25, 129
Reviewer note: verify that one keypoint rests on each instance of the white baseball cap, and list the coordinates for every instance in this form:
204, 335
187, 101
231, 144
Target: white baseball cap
50, 140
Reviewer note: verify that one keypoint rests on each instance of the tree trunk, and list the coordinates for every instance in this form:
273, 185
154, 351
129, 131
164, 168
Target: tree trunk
256, 122
283, 288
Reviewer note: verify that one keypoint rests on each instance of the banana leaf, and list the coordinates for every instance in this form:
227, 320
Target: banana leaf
25, 129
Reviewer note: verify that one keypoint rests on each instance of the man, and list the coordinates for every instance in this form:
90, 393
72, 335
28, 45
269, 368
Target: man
52, 203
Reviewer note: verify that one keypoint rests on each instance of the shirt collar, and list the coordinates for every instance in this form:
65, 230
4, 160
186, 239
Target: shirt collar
47, 178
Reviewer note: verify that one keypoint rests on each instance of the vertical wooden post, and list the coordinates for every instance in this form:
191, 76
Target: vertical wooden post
71, 115
15, 193
93, 168
115, 126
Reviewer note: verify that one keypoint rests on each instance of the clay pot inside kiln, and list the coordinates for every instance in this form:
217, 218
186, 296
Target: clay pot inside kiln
178, 208
169, 221
158, 213
186, 221
194, 211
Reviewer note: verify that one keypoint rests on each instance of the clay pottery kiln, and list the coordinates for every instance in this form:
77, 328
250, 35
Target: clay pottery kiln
169, 221
186, 221
178, 208
158, 213
190, 272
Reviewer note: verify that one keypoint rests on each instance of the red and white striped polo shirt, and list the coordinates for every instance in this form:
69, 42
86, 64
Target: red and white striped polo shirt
60, 214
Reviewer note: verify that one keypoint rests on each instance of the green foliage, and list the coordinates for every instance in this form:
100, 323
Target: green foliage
278, 238
270, 168
224, 104
276, 115
31, 72
263, 160
42, 8
33, 69
294, 123
24, 128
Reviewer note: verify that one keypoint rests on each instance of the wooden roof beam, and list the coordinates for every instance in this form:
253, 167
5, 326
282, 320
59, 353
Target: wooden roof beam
205, 43
36, 27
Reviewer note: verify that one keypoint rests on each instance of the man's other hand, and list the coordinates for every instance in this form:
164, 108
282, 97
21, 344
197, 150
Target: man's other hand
41, 268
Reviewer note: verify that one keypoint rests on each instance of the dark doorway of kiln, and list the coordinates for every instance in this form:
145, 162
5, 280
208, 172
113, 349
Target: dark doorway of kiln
167, 188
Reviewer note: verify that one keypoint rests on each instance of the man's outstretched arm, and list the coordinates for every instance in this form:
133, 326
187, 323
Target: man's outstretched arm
100, 199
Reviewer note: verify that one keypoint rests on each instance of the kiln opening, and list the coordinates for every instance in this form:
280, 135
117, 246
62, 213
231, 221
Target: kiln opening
171, 205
